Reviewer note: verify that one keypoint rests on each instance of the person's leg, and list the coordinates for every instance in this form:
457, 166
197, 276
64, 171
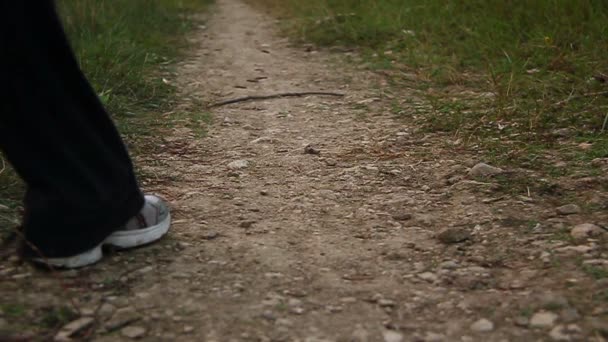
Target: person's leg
58, 137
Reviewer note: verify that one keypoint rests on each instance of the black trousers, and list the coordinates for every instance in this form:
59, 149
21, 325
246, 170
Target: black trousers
58, 137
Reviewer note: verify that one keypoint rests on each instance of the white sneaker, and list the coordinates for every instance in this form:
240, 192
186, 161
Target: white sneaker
152, 223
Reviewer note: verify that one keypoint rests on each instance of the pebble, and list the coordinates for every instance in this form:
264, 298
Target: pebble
392, 336
449, 265
73, 328
568, 209
121, 318
482, 325
484, 170
585, 230
238, 164
565, 332
543, 319
188, 329
428, 276
133, 332
402, 217
453, 235
309, 149
386, 302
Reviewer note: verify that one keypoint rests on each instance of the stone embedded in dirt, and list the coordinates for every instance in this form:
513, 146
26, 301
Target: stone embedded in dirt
106, 310
482, 325
331, 162
586, 230
428, 276
482, 170
121, 318
211, 235
238, 164
565, 332
386, 303
402, 217
310, 149
133, 332
449, 265
453, 235
246, 224
73, 328
188, 329
568, 209
543, 319
392, 336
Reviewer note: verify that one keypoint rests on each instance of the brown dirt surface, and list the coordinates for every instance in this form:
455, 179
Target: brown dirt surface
377, 233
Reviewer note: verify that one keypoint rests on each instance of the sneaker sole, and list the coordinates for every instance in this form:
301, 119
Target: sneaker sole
119, 239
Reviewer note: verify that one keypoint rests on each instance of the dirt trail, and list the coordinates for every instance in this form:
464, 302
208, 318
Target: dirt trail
274, 244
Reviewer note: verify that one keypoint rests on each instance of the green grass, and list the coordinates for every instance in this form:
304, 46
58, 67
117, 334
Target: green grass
501, 75
126, 48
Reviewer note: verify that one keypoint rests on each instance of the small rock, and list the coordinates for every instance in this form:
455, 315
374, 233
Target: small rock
211, 235
238, 164
106, 310
331, 162
453, 235
188, 329
71, 329
121, 318
484, 170
586, 230
449, 265
3, 207
543, 319
565, 332
568, 209
246, 224
392, 336
133, 332
482, 325
309, 149
402, 217
427, 276
386, 302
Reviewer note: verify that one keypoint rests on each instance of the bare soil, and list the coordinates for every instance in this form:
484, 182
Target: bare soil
337, 242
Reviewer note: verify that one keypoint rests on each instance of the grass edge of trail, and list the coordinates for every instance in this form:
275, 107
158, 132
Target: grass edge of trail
522, 85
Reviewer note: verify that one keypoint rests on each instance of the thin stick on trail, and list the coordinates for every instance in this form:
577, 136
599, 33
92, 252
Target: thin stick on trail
273, 96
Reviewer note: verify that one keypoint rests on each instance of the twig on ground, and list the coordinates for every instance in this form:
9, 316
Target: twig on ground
274, 96
570, 98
